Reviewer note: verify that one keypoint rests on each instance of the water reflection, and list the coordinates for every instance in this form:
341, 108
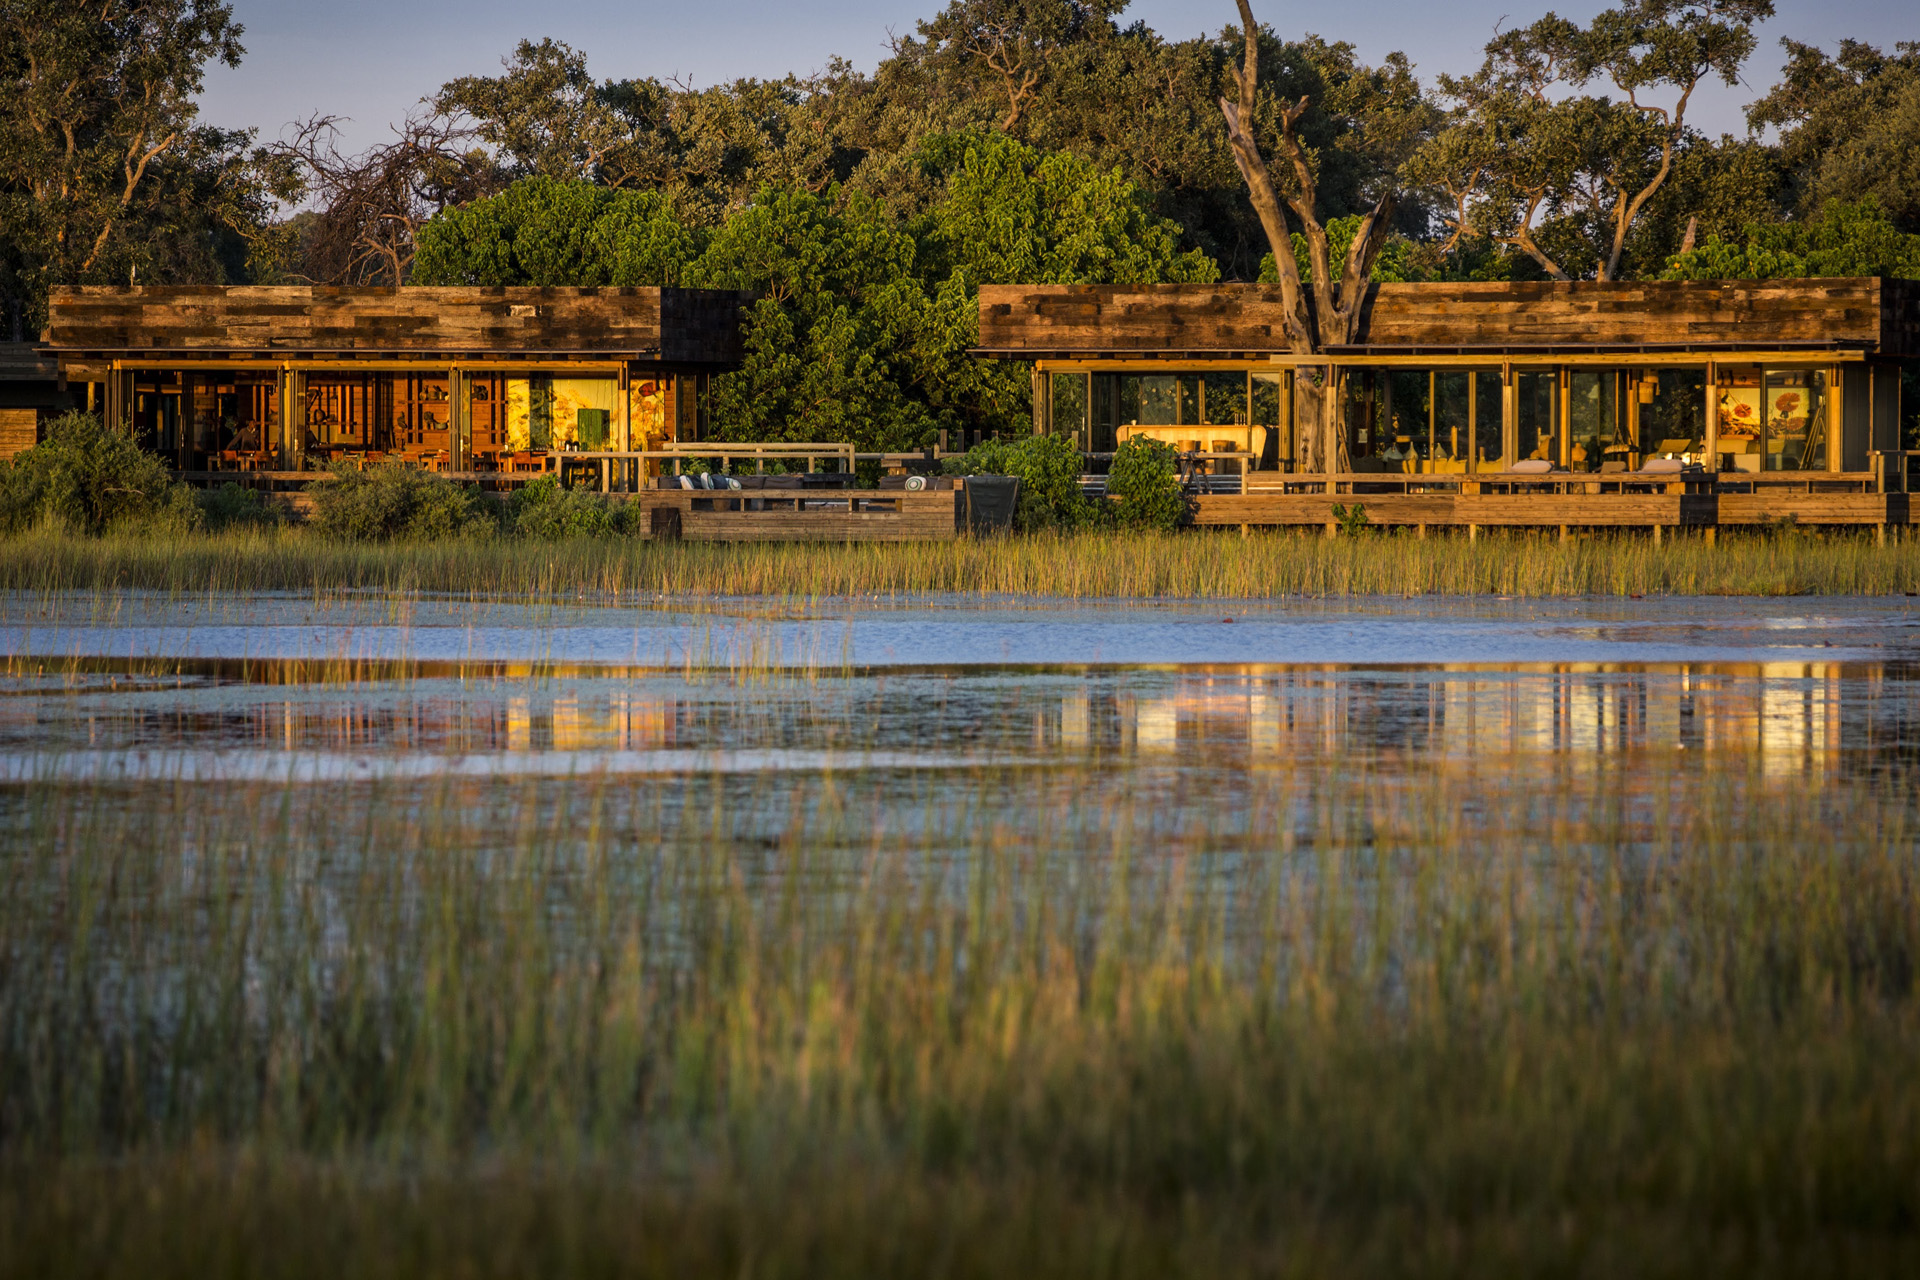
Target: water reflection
1793, 720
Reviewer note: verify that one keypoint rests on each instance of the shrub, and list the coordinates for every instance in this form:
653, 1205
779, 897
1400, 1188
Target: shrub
232, 507
1049, 472
542, 509
1144, 483
394, 502
87, 478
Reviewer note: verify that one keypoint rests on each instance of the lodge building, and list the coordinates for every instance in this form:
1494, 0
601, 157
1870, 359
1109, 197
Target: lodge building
1571, 404
477, 381
1505, 403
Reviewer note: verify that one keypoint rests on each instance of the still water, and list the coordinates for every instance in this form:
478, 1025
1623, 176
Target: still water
269, 687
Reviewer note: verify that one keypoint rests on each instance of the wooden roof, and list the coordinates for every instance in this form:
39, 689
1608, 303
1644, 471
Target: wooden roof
670, 326
1183, 320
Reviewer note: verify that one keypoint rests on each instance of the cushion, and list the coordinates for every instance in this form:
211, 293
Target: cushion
1663, 465
1532, 466
686, 481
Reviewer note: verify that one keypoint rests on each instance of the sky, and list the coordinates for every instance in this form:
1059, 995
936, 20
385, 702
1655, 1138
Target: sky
371, 60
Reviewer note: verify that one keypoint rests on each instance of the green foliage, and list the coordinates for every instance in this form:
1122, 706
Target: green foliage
544, 231
105, 170
393, 502
90, 479
1144, 484
844, 342
1400, 260
1352, 520
232, 507
1847, 240
1014, 215
1049, 472
1566, 177
542, 509
1849, 126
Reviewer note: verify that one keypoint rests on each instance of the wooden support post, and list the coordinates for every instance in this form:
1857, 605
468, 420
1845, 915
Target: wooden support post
1566, 534
1333, 529
1243, 533
1880, 534
1713, 417
1422, 531
1656, 535
1473, 533
1713, 535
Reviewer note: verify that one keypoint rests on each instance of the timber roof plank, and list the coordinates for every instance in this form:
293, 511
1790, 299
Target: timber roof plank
1878, 315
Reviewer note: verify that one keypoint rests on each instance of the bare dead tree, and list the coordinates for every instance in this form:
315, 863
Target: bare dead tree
371, 206
1324, 310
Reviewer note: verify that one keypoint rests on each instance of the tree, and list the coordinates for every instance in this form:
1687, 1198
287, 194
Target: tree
1563, 176
1011, 214
373, 205
542, 231
546, 116
1013, 42
104, 171
843, 343
1849, 126
1326, 310
1846, 240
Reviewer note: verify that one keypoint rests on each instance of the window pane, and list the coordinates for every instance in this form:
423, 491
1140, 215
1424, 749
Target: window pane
1227, 398
1539, 416
1796, 414
1673, 412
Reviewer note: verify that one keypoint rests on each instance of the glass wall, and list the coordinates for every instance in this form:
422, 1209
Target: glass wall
1598, 431
1772, 419
207, 421
1672, 405
1538, 421
1205, 412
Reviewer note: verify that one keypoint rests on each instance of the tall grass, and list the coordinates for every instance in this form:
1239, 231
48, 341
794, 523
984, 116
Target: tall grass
1313, 1019
1093, 565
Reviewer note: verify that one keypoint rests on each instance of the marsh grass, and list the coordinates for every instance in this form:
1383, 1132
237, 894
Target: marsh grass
1313, 1019
1106, 565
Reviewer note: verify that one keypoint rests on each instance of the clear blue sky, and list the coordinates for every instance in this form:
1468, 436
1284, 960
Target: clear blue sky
372, 59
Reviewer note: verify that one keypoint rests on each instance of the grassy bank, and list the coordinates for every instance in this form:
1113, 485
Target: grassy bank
1192, 565
1498, 1021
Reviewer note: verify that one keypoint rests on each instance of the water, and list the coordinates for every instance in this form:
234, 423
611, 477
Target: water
267, 687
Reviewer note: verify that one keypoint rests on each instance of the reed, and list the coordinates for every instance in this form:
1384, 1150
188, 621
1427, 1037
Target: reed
1105, 565
1314, 1018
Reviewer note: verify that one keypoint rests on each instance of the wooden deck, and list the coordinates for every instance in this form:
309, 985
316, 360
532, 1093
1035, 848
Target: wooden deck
792, 515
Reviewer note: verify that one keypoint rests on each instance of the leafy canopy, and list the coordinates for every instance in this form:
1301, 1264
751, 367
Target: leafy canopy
1847, 240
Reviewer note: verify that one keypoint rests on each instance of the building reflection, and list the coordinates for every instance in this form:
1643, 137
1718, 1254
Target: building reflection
1790, 720
1793, 717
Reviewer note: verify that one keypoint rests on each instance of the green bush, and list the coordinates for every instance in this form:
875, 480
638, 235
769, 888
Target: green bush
1144, 483
392, 502
542, 509
232, 507
1049, 472
89, 479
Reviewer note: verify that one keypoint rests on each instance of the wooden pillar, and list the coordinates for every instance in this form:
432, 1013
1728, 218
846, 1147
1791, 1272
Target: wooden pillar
1043, 402
1086, 412
1329, 420
459, 420
1713, 417
1563, 424
623, 410
293, 419
1473, 533
1473, 420
1830, 405
119, 398
1509, 417
1656, 535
